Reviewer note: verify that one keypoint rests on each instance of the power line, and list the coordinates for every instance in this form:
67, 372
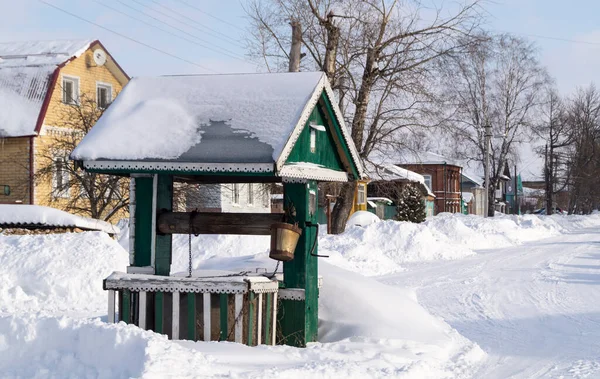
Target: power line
210, 15
165, 30
128, 38
205, 29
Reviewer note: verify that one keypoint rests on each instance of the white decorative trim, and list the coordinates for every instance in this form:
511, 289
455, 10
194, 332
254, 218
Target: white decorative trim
111, 307
157, 283
179, 166
206, 312
142, 314
239, 325
312, 173
297, 294
314, 99
285, 179
274, 320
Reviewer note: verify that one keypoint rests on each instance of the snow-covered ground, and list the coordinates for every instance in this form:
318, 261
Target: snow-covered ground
455, 297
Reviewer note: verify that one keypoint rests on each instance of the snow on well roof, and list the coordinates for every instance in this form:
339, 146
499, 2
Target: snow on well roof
25, 74
21, 216
202, 118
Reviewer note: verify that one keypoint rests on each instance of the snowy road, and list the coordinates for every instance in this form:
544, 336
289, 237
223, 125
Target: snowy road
535, 308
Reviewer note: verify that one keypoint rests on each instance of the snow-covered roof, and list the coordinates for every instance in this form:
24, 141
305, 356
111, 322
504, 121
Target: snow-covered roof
391, 172
234, 122
471, 177
407, 156
25, 75
37, 216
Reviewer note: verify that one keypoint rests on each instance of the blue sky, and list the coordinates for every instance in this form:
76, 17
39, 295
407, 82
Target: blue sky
570, 63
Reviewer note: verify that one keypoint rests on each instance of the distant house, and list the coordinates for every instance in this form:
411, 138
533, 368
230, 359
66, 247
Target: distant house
386, 181
233, 197
473, 193
39, 82
442, 176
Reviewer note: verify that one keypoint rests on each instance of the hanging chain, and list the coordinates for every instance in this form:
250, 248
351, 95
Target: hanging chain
275, 272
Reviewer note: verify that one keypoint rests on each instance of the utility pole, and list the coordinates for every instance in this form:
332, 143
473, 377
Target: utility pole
488, 137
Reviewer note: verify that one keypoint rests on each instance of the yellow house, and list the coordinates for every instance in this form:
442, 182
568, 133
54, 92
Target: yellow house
40, 82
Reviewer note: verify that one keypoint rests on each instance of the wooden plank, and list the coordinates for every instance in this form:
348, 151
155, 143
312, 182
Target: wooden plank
259, 320
191, 316
175, 318
143, 221
126, 311
206, 313
268, 314
142, 312
239, 322
250, 317
111, 306
223, 316
159, 299
217, 223
274, 326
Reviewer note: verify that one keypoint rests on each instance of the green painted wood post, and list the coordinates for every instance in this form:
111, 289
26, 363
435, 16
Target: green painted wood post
250, 317
224, 299
143, 221
159, 301
300, 318
191, 316
125, 313
164, 201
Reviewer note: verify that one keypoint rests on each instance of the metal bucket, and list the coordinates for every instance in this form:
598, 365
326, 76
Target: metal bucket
284, 238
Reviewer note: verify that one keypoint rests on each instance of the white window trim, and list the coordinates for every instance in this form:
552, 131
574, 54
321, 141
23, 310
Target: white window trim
77, 95
313, 140
67, 191
110, 90
425, 176
361, 191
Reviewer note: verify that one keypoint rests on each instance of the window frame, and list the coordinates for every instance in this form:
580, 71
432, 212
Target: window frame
64, 176
109, 88
76, 90
361, 191
425, 177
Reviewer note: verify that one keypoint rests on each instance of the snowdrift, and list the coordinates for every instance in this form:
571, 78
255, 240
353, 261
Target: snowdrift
57, 274
366, 328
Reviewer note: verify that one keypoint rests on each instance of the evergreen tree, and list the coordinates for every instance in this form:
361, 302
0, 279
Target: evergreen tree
410, 205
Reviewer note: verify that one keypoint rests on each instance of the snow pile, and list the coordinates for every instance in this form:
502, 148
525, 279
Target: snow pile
19, 114
13, 215
57, 273
362, 218
358, 340
383, 247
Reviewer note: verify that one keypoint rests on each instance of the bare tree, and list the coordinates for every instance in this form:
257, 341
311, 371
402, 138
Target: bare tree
557, 135
379, 56
72, 189
497, 83
583, 117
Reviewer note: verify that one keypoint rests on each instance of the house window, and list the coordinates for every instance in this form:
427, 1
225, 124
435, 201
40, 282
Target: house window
103, 95
428, 181
235, 195
250, 194
60, 182
313, 140
70, 88
361, 197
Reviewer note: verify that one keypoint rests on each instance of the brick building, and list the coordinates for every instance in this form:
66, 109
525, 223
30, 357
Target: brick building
39, 80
